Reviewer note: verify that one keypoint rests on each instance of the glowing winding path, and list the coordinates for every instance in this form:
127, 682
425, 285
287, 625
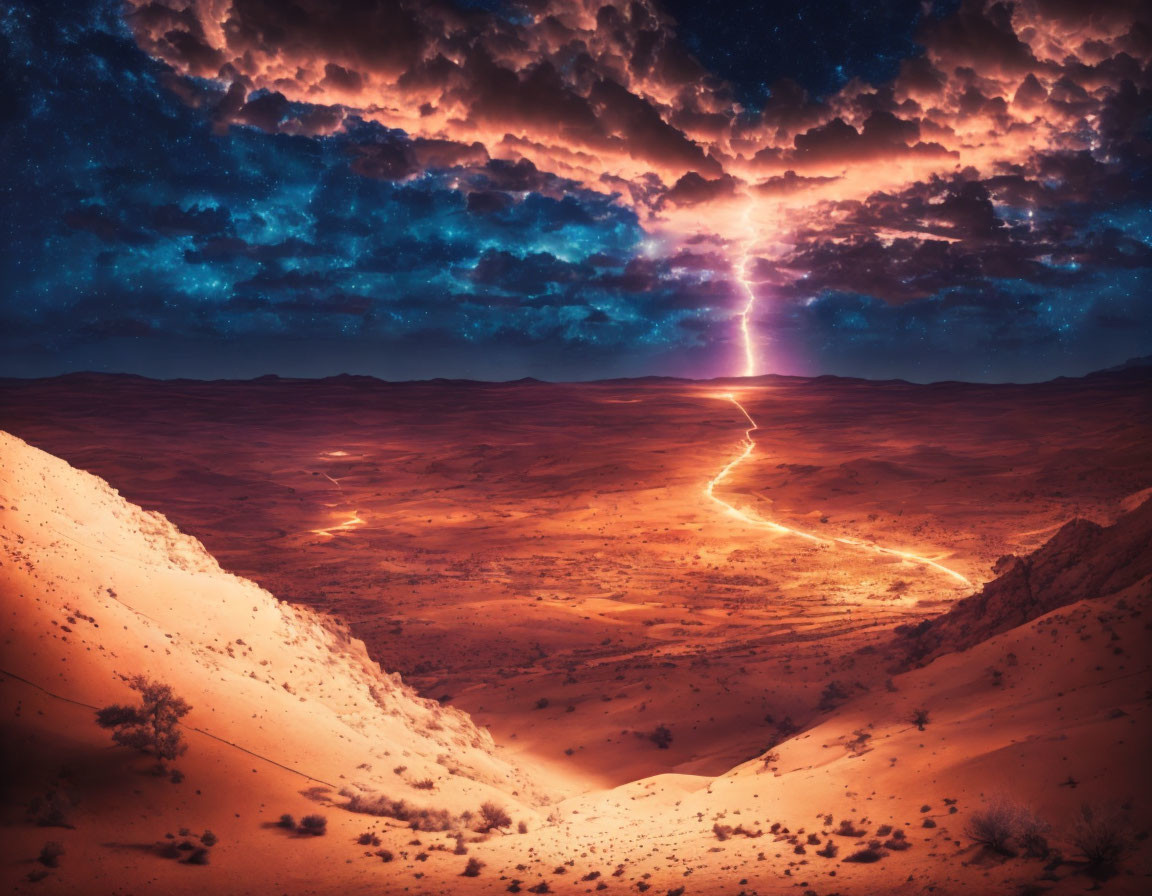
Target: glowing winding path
749, 446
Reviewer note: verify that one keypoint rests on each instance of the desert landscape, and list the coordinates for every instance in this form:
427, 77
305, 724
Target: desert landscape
641, 447
673, 649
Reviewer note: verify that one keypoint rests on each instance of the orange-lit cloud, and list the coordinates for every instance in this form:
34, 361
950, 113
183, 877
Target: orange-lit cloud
600, 94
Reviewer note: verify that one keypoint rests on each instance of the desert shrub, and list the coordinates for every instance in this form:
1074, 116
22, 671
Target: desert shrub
676, 891
832, 696
424, 784
209, 839
928, 823
884, 830
542, 703
169, 850
865, 856
419, 819
722, 831
661, 735
385, 855
472, 869
813, 839
50, 810
541, 887
198, 856
153, 726
920, 718
1101, 838
997, 827
316, 825
897, 842
368, 838
847, 829
493, 817
522, 827
50, 854
1033, 837
829, 851
286, 821
460, 849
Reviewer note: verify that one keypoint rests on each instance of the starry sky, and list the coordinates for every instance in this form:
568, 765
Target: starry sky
575, 189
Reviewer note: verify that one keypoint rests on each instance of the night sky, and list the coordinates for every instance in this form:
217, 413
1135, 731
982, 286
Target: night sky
574, 190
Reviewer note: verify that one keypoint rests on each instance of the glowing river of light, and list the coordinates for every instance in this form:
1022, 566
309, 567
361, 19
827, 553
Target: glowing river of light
749, 445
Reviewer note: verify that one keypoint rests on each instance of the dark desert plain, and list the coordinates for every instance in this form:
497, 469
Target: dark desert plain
696, 617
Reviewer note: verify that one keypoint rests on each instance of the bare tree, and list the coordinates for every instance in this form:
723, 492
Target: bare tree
153, 727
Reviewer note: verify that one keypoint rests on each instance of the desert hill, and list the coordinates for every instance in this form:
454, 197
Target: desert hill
94, 590
289, 712
1081, 561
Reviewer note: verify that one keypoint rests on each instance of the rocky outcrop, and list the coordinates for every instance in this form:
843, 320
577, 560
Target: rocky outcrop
1081, 561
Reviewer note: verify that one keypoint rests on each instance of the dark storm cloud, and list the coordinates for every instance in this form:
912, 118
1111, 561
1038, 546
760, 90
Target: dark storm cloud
567, 177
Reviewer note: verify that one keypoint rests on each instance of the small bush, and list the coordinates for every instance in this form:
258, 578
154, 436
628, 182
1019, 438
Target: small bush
418, 819
50, 810
493, 817
50, 854
897, 842
722, 831
661, 735
920, 718
1101, 838
424, 784
368, 838
832, 696
847, 829
866, 856
316, 825
1033, 837
829, 851
287, 822
472, 869
997, 827
198, 856
385, 855
209, 839
522, 827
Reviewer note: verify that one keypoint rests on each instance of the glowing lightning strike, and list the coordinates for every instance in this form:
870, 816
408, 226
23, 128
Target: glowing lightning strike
742, 276
749, 446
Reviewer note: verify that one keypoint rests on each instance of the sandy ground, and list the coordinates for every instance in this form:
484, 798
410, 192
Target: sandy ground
288, 712
546, 557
